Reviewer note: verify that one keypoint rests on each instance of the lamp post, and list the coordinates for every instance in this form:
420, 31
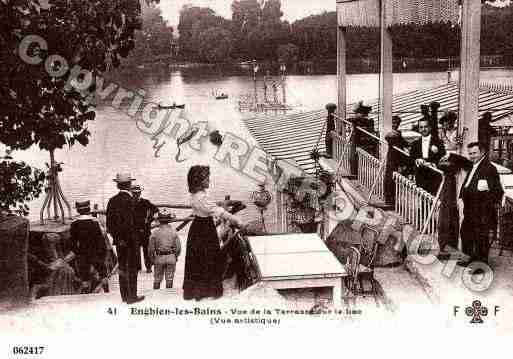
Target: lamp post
255, 70
261, 198
283, 69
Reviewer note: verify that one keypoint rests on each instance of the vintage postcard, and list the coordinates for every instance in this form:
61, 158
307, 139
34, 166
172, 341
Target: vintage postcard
178, 175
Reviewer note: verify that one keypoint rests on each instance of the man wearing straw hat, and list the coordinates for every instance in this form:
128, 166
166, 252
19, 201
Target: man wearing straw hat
144, 211
120, 224
89, 246
164, 249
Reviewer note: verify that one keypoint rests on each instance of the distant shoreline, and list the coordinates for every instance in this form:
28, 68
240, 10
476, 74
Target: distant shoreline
311, 67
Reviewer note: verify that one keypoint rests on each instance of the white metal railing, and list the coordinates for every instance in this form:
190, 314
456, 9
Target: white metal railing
416, 206
413, 204
371, 173
341, 152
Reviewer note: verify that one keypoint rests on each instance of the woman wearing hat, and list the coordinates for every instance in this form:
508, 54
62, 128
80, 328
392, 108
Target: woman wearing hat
449, 133
203, 259
448, 217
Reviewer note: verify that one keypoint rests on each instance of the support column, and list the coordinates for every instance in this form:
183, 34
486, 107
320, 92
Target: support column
469, 77
341, 77
469, 69
387, 81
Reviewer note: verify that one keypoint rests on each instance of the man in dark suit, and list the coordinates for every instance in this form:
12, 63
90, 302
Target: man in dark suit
120, 224
427, 150
144, 213
330, 126
362, 139
481, 193
88, 243
485, 130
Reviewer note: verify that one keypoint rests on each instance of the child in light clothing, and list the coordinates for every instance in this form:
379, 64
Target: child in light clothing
164, 249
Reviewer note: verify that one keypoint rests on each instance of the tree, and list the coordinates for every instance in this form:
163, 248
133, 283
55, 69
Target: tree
316, 36
153, 40
19, 183
246, 18
46, 47
193, 21
215, 45
288, 53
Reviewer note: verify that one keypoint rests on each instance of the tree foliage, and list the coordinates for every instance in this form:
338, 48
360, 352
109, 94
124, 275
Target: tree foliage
153, 40
19, 183
288, 53
39, 105
39, 108
215, 44
195, 21
258, 31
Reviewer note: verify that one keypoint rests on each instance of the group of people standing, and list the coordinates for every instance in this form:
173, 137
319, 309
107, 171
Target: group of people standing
129, 219
481, 192
129, 222
438, 147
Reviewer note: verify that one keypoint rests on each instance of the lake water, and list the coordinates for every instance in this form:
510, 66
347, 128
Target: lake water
118, 145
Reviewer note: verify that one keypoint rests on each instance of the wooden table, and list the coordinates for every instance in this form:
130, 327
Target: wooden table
290, 261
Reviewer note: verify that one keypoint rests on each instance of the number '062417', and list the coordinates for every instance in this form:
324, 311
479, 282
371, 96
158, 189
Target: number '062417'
27, 350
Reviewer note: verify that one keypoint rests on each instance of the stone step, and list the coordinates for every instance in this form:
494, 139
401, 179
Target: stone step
112, 295
400, 288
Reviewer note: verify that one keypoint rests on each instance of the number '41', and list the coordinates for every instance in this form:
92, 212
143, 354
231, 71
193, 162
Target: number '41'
112, 311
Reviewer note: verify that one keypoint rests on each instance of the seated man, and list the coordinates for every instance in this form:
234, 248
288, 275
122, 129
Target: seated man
426, 151
88, 245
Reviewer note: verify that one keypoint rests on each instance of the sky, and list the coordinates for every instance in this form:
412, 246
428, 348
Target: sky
292, 9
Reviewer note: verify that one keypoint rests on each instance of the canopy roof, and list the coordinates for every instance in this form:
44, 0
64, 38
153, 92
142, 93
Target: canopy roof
366, 12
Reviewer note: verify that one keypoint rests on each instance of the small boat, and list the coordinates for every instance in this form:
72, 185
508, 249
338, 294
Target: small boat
174, 105
221, 96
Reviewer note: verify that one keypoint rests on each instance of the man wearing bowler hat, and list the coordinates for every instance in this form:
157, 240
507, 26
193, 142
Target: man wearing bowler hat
144, 212
121, 226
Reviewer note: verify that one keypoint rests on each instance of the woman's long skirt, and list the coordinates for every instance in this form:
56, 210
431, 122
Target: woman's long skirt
203, 261
449, 217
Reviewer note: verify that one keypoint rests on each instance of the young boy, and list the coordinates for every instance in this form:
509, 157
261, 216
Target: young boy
164, 249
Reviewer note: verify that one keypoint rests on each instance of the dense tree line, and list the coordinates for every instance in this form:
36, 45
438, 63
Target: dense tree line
153, 40
257, 31
51, 54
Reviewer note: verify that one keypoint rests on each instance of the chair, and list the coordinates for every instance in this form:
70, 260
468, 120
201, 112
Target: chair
247, 268
368, 250
352, 268
360, 265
